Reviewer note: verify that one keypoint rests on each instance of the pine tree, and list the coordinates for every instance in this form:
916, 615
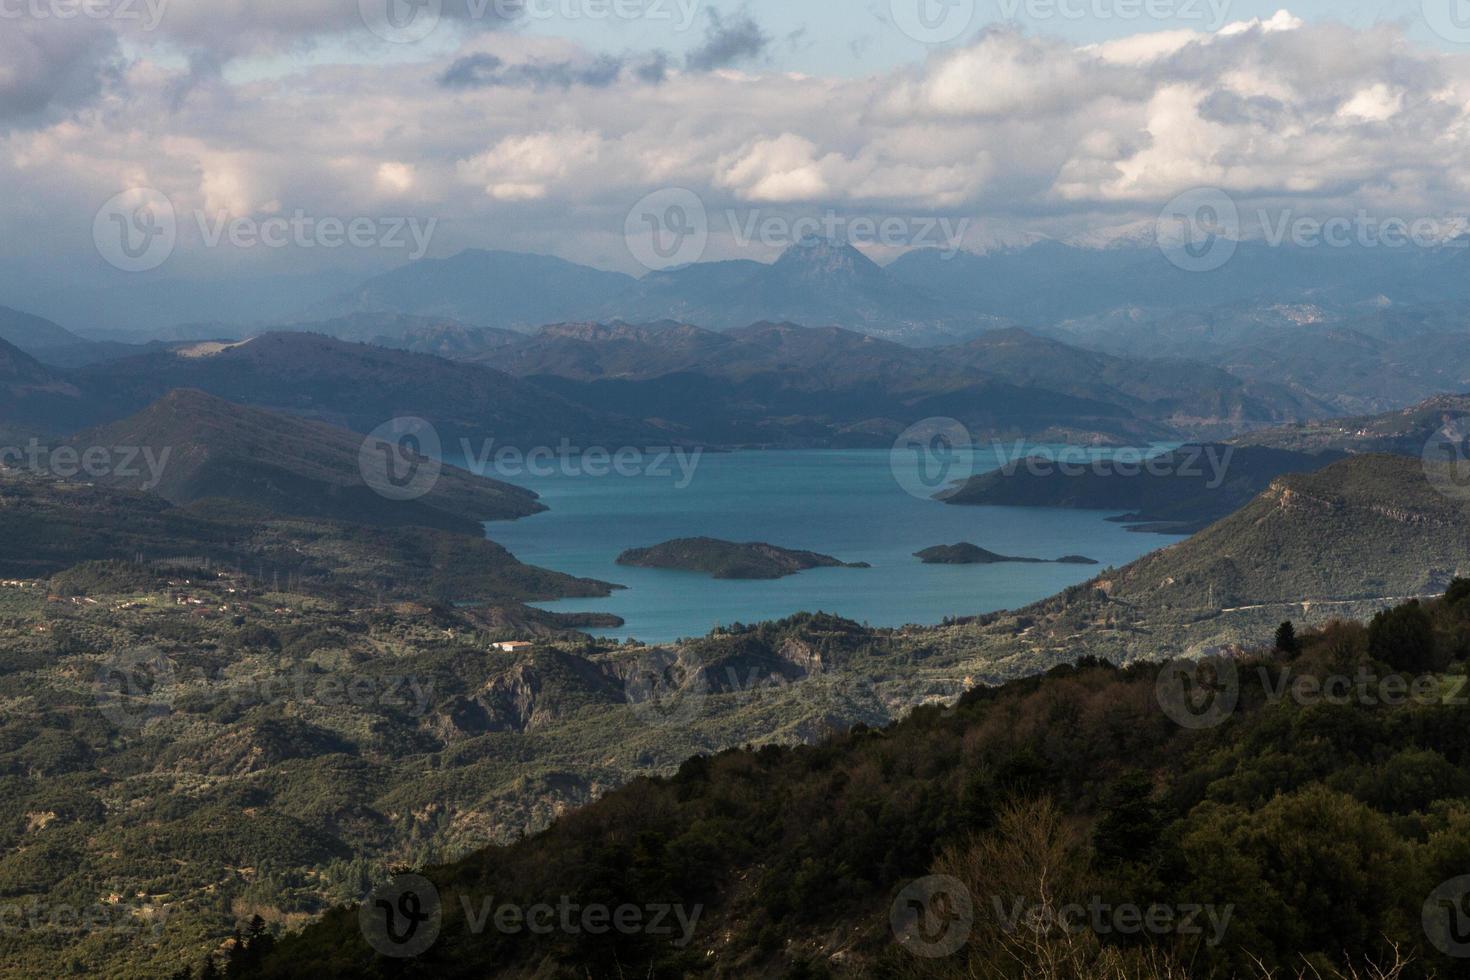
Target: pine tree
1286, 641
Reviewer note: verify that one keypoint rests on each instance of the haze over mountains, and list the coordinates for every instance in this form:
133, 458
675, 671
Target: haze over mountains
924, 297
1344, 330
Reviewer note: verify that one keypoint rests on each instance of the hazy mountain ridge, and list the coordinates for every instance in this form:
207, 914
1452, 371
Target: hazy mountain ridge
836, 384
35, 400
359, 387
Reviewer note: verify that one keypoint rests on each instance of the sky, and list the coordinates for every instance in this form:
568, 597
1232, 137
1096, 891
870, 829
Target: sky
207, 139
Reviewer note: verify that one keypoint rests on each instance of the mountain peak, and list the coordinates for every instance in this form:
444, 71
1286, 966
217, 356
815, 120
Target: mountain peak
827, 256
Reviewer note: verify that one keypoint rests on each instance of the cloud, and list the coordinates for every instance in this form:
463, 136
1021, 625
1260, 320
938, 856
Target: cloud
483, 70
516, 140
48, 68
235, 28
727, 43
524, 168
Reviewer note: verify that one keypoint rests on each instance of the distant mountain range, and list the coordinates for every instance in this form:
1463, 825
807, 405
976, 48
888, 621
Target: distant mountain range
1345, 329
925, 297
814, 283
769, 384
356, 386
837, 385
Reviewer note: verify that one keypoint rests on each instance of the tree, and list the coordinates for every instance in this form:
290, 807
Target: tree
1286, 640
1403, 638
1131, 822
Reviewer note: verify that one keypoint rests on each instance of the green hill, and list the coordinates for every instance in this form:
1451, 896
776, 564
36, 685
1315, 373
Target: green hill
1064, 827
1176, 493
207, 447
726, 559
1405, 432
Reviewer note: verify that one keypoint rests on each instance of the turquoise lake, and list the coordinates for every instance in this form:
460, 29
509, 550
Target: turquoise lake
844, 503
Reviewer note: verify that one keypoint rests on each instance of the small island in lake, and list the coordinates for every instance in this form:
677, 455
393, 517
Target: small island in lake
969, 554
728, 560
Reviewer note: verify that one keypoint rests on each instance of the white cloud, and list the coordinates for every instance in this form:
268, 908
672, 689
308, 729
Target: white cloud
1020, 130
526, 168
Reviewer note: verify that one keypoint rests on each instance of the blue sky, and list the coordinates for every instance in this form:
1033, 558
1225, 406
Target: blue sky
852, 39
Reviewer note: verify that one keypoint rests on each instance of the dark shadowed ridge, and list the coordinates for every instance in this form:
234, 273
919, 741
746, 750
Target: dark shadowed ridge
212, 448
